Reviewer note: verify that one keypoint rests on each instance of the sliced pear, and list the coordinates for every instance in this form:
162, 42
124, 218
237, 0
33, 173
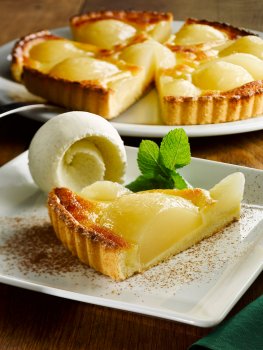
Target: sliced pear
164, 57
142, 55
158, 221
105, 33
220, 76
193, 34
247, 44
251, 63
161, 31
54, 50
149, 52
45, 55
232, 184
177, 87
104, 191
84, 68
150, 55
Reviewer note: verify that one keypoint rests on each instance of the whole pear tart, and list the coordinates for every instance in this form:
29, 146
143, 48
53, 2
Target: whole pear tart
120, 233
207, 72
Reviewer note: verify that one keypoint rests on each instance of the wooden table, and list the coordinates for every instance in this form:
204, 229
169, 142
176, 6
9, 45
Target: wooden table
30, 320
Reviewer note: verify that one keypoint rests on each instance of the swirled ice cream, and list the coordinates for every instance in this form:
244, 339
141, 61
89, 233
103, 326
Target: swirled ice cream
75, 149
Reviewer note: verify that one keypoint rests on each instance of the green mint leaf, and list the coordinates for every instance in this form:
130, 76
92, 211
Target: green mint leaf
175, 149
158, 166
147, 159
143, 183
178, 181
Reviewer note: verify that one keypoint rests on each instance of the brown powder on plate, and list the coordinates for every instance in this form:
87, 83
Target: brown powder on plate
32, 246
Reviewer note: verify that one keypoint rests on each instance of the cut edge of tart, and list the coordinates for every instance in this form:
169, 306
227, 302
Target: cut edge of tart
76, 75
162, 223
107, 100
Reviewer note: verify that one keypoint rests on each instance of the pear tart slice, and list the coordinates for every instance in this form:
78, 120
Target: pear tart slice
218, 76
116, 29
81, 76
76, 75
119, 233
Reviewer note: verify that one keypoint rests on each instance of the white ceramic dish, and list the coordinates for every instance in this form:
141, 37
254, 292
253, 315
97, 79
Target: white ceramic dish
141, 120
198, 287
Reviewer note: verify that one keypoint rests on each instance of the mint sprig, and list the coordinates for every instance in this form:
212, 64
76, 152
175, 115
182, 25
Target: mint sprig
159, 166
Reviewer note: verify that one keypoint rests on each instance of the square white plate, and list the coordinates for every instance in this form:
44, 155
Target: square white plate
198, 287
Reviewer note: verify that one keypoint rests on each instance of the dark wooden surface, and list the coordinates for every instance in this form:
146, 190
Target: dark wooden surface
30, 320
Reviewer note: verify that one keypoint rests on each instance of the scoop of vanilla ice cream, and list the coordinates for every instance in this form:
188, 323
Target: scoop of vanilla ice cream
74, 150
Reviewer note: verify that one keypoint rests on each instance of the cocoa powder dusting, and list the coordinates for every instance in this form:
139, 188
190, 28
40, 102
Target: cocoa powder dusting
29, 244
34, 247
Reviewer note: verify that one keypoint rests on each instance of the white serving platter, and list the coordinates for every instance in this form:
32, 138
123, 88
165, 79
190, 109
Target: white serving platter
197, 287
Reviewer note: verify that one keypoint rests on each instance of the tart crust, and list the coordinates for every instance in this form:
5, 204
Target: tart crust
87, 96
233, 105
230, 31
141, 18
94, 245
20, 52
